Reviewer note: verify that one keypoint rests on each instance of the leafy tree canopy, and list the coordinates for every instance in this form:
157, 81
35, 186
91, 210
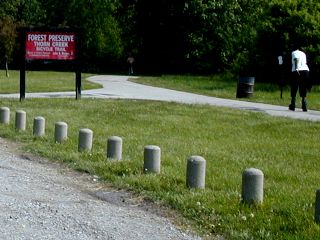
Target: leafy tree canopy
183, 36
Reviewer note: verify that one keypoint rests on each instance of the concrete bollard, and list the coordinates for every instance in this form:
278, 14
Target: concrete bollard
60, 132
317, 207
114, 148
152, 158
252, 186
196, 172
39, 125
21, 118
4, 115
85, 140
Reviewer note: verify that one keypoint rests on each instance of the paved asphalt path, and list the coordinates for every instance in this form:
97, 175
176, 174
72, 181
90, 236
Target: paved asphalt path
118, 87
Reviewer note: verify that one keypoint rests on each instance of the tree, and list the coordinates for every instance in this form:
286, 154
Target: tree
101, 41
192, 35
7, 40
287, 24
22, 12
13, 14
223, 33
182, 36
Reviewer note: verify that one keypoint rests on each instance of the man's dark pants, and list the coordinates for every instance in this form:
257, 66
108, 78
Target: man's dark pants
299, 81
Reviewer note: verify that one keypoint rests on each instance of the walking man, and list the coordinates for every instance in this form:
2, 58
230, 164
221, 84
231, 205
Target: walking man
130, 61
299, 79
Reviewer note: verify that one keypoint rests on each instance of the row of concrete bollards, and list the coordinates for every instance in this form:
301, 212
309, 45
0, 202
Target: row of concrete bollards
252, 179
152, 154
196, 165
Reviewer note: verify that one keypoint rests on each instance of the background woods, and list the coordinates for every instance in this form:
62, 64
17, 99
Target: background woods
190, 36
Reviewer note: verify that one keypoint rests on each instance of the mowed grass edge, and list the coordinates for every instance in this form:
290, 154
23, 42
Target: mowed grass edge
225, 86
286, 150
43, 81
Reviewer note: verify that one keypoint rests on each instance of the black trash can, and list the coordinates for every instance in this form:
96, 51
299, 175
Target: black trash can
245, 87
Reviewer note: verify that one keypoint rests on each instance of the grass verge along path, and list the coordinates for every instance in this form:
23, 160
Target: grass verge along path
43, 81
225, 86
286, 150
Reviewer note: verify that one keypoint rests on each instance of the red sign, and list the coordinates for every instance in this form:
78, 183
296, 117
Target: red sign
50, 46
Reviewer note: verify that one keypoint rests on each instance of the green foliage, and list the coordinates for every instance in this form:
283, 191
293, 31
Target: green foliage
191, 36
101, 34
101, 42
228, 31
14, 14
287, 25
7, 39
211, 36
22, 11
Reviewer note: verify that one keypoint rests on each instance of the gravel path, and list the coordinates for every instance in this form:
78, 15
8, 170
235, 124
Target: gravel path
42, 200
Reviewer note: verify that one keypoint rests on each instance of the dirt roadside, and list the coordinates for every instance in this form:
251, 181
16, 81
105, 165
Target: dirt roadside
45, 200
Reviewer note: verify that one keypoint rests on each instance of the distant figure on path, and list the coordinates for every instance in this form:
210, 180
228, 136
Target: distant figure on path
130, 61
281, 80
299, 79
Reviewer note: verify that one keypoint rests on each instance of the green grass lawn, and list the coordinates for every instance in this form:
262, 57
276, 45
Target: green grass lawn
286, 150
225, 86
43, 81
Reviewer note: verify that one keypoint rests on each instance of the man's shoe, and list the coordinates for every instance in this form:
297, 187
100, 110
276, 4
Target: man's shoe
304, 106
292, 107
